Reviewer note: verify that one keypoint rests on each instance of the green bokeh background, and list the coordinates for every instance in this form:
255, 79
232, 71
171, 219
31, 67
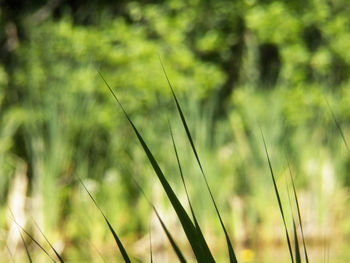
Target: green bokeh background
235, 66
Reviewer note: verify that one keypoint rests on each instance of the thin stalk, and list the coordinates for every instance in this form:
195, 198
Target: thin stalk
231, 252
187, 225
299, 215
116, 238
278, 197
54, 250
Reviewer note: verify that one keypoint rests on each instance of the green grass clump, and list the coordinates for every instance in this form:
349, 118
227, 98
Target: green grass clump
189, 222
191, 228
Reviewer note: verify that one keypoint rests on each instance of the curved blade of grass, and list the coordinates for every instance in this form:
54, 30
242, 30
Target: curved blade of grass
180, 170
168, 234
231, 252
33, 239
296, 244
23, 241
54, 250
171, 240
337, 124
278, 197
116, 238
296, 239
299, 215
187, 225
199, 231
26, 248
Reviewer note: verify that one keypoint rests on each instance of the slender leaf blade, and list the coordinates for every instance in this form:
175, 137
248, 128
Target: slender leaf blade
167, 232
299, 215
296, 244
231, 252
337, 124
54, 250
199, 231
278, 197
296, 239
185, 220
116, 238
171, 240
33, 239
26, 248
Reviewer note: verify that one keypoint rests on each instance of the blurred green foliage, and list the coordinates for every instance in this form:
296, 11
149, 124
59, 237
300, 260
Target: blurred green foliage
235, 65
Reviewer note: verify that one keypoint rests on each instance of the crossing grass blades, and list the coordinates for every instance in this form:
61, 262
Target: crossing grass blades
189, 223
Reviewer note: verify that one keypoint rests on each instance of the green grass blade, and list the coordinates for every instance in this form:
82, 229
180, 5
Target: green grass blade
171, 240
296, 244
199, 231
23, 241
26, 248
295, 233
54, 250
116, 238
167, 232
185, 220
180, 170
33, 239
337, 124
119, 243
278, 197
231, 252
299, 215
